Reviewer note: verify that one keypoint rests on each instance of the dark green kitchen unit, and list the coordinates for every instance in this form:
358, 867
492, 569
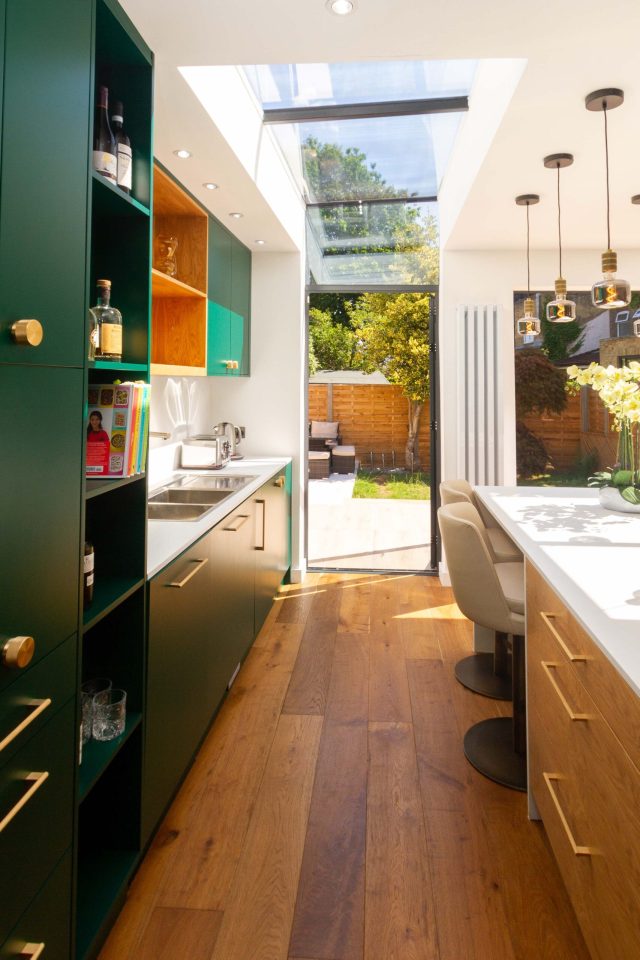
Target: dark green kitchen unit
70, 837
229, 304
273, 541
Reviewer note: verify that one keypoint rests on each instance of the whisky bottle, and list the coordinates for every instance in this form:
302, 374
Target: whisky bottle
105, 159
106, 325
87, 573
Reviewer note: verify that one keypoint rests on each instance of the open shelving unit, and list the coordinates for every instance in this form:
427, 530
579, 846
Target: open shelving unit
108, 834
179, 313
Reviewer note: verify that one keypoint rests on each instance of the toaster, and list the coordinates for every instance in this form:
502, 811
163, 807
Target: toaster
204, 453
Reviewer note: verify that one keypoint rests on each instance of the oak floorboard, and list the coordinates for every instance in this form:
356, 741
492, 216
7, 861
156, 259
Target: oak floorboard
388, 686
180, 933
257, 921
293, 602
209, 849
311, 676
329, 916
399, 906
355, 608
348, 695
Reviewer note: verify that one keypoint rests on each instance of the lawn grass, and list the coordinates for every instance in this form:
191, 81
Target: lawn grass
568, 479
392, 486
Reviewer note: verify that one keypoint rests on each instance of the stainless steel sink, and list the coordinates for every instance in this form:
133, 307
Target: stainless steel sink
177, 511
182, 495
228, 482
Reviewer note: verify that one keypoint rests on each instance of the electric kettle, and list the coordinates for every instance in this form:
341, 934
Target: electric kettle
232, 434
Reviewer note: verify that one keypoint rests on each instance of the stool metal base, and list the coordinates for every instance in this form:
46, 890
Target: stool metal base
488, 746
477, 673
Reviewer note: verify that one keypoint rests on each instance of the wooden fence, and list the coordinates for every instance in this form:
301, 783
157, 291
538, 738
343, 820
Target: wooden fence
566, 440
372, 417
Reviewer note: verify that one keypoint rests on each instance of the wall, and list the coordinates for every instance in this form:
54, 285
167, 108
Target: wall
490, 277
270, 403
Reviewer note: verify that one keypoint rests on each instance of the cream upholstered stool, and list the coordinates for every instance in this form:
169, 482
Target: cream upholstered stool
501, 547
492, 595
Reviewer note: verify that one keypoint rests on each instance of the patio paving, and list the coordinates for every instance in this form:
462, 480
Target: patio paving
365, 534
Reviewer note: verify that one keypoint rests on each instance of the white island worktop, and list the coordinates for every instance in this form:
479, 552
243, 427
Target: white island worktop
589, 555
167, 539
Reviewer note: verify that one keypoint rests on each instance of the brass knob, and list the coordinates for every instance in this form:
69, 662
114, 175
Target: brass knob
279, 482
28, 332
18, 651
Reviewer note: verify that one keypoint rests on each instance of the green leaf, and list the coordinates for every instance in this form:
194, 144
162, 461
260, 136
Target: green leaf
631, 495
622, 478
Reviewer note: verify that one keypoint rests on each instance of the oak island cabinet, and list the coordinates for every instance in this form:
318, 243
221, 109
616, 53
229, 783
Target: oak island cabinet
69, 832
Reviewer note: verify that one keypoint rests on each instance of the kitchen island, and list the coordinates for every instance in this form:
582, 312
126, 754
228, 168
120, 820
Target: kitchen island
582, 570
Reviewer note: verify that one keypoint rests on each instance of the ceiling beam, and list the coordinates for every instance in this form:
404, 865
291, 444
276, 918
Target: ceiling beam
364, 111
370, 201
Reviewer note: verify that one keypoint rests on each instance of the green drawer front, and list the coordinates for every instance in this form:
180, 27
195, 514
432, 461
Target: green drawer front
24, 702
47, 920
40, 833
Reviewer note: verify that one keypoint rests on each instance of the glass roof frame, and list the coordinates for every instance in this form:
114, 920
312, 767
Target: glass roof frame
366, 111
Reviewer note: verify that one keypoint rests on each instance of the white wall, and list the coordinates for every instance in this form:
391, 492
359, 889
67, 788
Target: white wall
490, 277
270, 403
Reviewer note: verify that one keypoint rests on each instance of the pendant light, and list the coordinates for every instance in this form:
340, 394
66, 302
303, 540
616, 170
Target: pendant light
608, 293
529, 324
560, 310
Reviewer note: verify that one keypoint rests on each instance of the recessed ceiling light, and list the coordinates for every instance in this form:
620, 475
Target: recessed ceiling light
260, 243
341, 7
183, 154
236, 216
210, 186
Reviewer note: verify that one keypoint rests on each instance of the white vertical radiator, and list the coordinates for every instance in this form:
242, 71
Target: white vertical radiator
480, 395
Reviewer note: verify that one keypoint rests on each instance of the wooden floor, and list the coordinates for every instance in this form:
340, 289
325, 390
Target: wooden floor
331, 815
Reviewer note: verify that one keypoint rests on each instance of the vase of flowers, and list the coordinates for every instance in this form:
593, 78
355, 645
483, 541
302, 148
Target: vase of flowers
619, 390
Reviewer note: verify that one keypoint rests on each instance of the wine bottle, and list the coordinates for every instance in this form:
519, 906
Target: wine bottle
107, 320
87, 571
104, 145
123, 149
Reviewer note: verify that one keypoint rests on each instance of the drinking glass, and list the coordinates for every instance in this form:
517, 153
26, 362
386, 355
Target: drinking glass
109, 713
91, 691
165, 255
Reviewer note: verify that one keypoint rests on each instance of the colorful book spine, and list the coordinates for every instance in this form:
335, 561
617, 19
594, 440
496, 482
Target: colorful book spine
133, 439
144, 428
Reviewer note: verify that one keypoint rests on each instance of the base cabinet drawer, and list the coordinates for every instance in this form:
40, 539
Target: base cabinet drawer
46, 924
36, 813
585, 784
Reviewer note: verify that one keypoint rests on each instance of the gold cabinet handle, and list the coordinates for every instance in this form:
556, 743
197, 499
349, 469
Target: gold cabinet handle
198, 565
27, 332
32, 950
579, 851
40, 707
18, 652
279, 482
548, 619
263, 504
242, 517
548, 668
36, 780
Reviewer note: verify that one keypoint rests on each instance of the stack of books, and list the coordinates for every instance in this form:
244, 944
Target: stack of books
117, 429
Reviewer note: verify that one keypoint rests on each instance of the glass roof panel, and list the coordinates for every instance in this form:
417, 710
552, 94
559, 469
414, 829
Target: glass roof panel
380, 243
369, 159
318, 84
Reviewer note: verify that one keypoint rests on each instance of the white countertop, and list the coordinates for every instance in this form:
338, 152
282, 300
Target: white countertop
590, 556
167, 539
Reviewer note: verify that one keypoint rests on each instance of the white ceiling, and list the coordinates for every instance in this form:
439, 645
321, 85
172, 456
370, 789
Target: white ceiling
571, 46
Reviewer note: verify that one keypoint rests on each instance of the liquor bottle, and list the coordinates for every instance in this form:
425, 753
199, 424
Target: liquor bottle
108, 323
104, 145
123, 149
87, 570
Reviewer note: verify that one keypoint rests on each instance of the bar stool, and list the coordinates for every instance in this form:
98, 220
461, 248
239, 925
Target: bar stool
502, 547
490, 594
487, 673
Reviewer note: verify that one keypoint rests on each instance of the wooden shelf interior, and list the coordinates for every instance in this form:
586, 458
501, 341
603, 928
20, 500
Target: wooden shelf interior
179, 311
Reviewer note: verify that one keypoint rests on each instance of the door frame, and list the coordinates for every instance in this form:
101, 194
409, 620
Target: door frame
434, 413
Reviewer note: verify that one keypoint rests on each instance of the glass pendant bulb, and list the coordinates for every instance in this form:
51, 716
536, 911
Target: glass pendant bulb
529, 324
561, 310
610, 293
636, 327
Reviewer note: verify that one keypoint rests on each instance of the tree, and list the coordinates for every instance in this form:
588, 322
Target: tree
393, 336
540, 388
333, 345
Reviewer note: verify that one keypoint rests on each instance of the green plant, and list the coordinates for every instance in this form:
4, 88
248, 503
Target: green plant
531, 452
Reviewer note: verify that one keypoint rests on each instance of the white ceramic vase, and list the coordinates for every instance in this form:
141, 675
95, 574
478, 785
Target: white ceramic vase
611, 499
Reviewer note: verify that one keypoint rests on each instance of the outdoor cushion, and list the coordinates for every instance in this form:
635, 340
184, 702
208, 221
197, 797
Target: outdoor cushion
324, 429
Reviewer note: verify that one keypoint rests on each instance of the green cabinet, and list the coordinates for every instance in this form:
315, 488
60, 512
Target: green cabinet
43, 200
229, 304
273, 551
46, 921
